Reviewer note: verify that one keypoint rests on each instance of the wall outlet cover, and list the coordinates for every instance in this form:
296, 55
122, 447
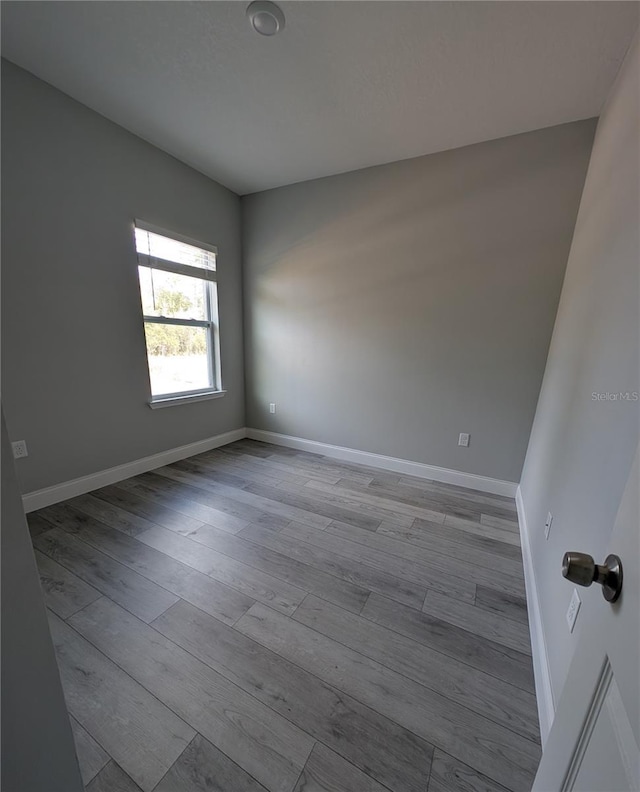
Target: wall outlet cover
463, 439
547, 525
572, 612
272, 408
19, 449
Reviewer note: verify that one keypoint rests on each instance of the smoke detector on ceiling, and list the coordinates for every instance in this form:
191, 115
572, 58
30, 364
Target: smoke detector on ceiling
265, 17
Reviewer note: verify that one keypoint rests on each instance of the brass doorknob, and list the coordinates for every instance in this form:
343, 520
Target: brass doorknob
581, 569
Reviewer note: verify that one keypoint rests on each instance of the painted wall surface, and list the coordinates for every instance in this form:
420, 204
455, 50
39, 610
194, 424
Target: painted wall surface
74, 370
35, 722
392, 308
584, 436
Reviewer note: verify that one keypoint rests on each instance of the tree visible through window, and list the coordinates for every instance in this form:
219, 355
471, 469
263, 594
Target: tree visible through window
180, 312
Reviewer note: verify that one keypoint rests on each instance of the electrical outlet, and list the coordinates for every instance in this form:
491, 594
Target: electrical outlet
547, 525
19, 449
572, 612
272, 408
463, 440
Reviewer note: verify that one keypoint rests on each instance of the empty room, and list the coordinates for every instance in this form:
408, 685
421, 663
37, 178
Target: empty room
320, 396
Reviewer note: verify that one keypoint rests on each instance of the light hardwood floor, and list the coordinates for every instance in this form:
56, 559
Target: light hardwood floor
258, 618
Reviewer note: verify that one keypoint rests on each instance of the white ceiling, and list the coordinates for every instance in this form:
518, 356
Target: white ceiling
344, 86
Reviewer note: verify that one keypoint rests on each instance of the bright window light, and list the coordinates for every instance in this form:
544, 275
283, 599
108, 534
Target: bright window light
178, 293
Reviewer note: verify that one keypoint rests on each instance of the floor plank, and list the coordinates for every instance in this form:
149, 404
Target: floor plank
378, 746
174, 498
480, 692
333, 495
505, 604
495, 751
264, 744
504, 575
112, 779
260, 450
427, 537
249, 581
208, 474
204, 768
493, 626
321, 466
477, 500
193, 488
303, 576
478, 652
153, 511
424, 502
311, 466
124, 586
242, 502
348, 569
37, 524
315, 506
67, 515
402, 568
469, 539
64, 593
500, 522
122, 519
325, 771
221, 465
186, 583
482, 529
451, 775
140, 733
91, 756
399, 513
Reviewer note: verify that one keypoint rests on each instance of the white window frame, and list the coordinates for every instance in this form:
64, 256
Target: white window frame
211, 323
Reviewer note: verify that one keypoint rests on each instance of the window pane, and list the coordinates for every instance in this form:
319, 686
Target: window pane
172, 250
171, 295
178, 358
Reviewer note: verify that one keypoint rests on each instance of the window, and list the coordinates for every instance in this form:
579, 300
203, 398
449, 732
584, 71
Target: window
180, 311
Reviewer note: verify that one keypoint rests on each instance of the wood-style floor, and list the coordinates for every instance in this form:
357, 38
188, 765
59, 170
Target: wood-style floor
261, 618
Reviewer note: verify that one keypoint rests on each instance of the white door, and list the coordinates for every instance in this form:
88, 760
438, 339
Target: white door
594, 739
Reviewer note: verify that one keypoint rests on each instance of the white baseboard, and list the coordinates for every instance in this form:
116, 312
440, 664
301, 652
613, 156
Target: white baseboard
405, 466
541, 671
38, 499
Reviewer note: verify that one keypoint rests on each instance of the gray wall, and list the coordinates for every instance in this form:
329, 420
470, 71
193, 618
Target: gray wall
74, 370
392, 308
581, 449
35, 723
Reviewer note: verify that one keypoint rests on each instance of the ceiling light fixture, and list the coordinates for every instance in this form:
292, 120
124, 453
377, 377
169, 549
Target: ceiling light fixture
265, 17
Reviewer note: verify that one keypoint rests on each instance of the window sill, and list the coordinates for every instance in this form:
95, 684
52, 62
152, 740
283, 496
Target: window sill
173, 401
